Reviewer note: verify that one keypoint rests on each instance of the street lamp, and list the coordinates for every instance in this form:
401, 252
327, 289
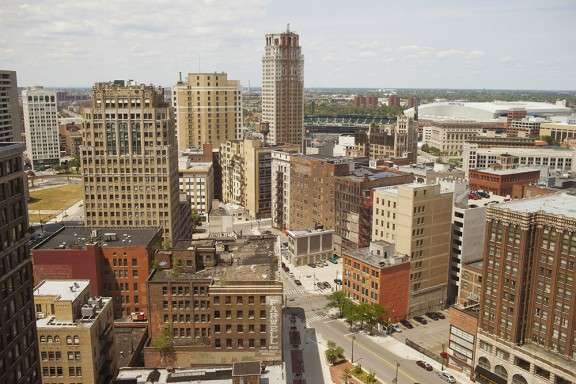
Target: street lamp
395, 380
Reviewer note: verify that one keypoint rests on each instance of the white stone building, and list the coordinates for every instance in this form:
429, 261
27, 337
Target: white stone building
310, 246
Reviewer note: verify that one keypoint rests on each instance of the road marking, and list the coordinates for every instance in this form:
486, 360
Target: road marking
384, 360
349, 334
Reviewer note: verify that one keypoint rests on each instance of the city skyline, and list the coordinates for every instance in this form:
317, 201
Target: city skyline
517, 45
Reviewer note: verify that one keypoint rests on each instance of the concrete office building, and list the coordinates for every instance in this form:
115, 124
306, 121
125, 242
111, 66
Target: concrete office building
130, 160
74, 333
208, 110
377, 275
525, 127
283, 88
310, 246
11, 123
550, 159
417, 219
559, 132
247, 175
218, 303
18, 349
40, 109
527, 310
281, 186
116, 261
448, 137
196, 180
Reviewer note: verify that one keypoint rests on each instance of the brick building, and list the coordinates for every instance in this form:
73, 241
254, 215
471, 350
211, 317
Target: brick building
394, 101
462, 337
392, 141
377, 275
502, 181
216, 303
353, 204
362, 101
116, 261
312, 190
526, 329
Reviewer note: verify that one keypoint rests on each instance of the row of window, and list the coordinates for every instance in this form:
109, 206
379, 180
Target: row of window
70, 340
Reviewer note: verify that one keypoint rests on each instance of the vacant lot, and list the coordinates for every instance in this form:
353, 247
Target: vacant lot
46, 203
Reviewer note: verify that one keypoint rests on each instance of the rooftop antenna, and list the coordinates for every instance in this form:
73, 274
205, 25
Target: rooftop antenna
288, 28
179, 77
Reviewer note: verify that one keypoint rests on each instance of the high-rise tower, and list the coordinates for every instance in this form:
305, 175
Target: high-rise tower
283, 88
130, 159
11, 126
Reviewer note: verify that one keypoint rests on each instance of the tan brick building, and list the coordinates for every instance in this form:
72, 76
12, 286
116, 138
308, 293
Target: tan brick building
417, 219
130, 160
208, 110
396, 140
216, 307
246, 175
74, 333
283, 88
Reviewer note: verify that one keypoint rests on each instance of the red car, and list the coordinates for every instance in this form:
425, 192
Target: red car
425, 365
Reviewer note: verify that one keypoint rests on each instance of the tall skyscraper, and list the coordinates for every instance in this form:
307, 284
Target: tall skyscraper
11, 125
130, 159
527, 319
18, 349
41, 123
208, 110
283, 88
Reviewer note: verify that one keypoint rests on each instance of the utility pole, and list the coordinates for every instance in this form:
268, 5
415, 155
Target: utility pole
395, 381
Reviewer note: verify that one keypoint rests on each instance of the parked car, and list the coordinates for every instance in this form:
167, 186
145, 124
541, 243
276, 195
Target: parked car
327, 285
421, 320
291, 274
396, 328
447, 377
333, 259
325, 264
320, 285
440, 315
338, 281
425, 365
297, 282
432, 315
407, 324
312, 265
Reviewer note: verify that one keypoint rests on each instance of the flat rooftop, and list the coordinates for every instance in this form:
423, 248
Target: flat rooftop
78, 237
247, 259
503, 172
298, 233
561, 204
66, 290
362, 173
378, 261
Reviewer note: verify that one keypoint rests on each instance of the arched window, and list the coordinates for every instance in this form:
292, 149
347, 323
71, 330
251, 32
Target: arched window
56, 339
49, 339
68, 340
484, 363
518, 379
42, 339
76, 340
501, 371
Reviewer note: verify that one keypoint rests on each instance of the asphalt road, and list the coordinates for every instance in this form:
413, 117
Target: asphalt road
372, 356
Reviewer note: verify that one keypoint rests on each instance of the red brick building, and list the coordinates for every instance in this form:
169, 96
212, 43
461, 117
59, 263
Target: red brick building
365, 101
376, 275
394, 101
116, 261
502, 181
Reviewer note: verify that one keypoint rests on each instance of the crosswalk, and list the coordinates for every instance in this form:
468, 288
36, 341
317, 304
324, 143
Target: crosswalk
294, 292
316, 315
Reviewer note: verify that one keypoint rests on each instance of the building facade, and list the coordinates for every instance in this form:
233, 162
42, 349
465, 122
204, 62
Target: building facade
312, 189
310, 246
501, 181
391, 141
11, 123
525, 127
283, 88
216, 304
74, 333
377, 275
449, 137
130, 160
281, 187
417, 219
550, 159
247, 175
353, 204
18, 349
559, 132
527, 309
196, 180
117, 262
40, 109
208, 110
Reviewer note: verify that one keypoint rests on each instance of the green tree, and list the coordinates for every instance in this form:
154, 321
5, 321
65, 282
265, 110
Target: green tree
165, 345
334, 353
74, 164
196, 219
373, 313
338, 300
371, 378
351, 314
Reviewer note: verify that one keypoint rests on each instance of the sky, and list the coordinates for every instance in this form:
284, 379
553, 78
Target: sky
496, 44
